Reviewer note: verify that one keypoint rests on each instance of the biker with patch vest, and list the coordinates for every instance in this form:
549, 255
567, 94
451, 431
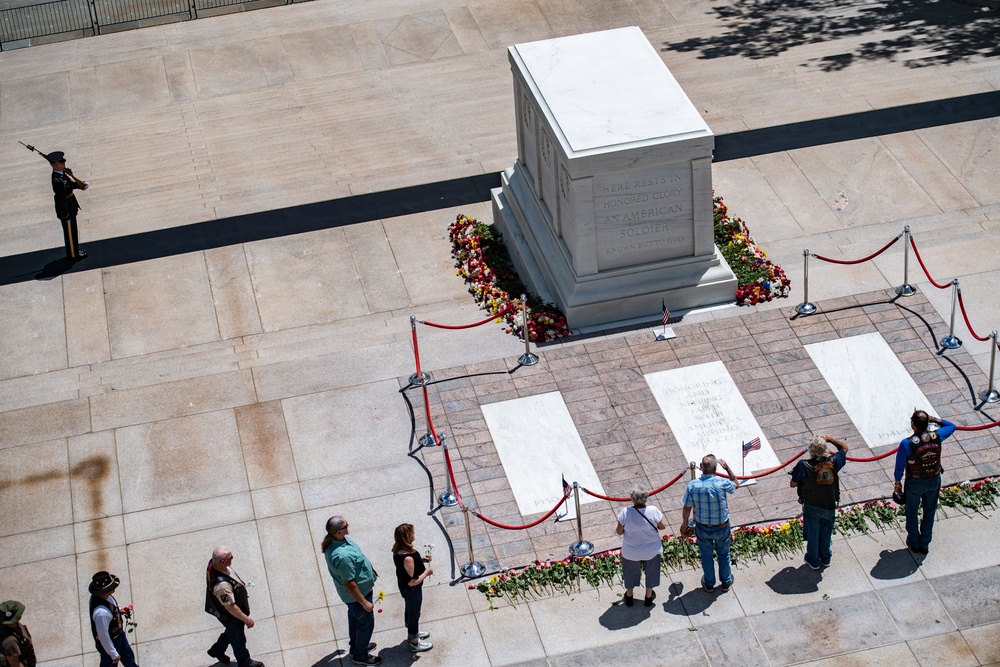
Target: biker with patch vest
919, 457
226, 598
817, 480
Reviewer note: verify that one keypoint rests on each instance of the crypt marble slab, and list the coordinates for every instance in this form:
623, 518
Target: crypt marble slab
708, 415
538, 444
871, 383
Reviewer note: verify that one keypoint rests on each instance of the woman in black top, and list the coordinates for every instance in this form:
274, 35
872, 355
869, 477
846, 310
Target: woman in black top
410, 574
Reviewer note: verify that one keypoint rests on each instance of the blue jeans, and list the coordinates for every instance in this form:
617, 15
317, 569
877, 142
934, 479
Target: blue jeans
360, 626
414, 598
921, 492
817, 529
124, 651
235, 635
712, 542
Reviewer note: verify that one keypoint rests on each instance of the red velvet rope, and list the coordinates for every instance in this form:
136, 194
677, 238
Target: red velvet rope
913, 244
626, 500
965, 316
527, 525
499, 313
451, 475
863, 259
869, 459
977, 428
776, 468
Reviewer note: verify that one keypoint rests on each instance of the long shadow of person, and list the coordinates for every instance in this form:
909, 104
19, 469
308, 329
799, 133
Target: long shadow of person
795, 580
619, 617
691, 603
897, 564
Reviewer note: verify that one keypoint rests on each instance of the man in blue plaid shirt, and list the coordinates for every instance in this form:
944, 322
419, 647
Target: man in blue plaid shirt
707, 496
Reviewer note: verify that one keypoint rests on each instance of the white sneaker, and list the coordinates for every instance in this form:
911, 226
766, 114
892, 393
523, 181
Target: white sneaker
421, 646
423, 635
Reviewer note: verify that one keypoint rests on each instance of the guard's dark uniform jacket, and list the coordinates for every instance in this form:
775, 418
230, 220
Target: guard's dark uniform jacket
62, 189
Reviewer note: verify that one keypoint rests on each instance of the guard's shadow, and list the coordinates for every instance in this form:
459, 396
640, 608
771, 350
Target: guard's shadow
897, 564
795, 580
55, 268
691, 603
619, 617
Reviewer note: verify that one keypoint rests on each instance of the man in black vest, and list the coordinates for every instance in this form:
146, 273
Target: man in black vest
919, 456
63, 185
226, 599
15, 640
818, 483
106, 622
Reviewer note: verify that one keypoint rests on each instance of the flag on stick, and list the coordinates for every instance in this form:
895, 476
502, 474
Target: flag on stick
666, 313
751, 446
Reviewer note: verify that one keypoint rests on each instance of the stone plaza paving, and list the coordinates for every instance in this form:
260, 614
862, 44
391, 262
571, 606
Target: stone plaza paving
241, 393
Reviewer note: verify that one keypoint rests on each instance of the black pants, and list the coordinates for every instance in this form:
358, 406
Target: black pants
71, 237
235, 635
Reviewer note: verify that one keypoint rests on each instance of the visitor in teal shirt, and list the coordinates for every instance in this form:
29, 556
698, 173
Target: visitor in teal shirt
354, 578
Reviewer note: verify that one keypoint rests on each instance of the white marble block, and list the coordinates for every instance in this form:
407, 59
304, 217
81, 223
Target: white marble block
608, 208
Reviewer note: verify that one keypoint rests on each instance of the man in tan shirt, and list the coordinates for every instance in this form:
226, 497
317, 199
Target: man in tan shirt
226, 599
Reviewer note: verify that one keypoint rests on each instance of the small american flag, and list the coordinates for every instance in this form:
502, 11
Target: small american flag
751, 446
666, 313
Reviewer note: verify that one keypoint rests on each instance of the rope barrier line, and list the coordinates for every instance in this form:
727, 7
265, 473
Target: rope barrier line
978, 428
863, 259
968, 324
527, 525
913, 244
869, 459
451, 476
626, 500
765, 473
500, 313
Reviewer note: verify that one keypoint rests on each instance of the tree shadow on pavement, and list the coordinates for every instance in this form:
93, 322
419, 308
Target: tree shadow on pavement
795, 580
897, 564
919, 32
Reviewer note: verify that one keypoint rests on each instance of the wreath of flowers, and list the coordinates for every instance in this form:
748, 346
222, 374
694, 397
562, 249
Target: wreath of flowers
749, 543
482, 260
758, 278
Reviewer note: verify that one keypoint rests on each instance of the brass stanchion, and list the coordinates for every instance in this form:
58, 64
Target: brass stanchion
694, 468
581, 547
950, 342
906, 289
447, 498
526, 359
990, 395
473, 568
805, 308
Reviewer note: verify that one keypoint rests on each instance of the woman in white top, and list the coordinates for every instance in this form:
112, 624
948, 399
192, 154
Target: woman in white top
642, 548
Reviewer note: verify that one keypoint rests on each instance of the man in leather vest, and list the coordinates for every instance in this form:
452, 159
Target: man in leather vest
818, 484
67, 207
15, 640
919, 456
106, 622
226, 599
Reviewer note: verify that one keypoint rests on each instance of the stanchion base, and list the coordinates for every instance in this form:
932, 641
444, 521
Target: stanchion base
580, 549
473, 570
527, 359
447, 499
427, 440
420, 380
805, 308
906, 290
989, 396
951, 343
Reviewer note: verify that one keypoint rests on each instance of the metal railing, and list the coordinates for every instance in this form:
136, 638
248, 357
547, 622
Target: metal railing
25, 25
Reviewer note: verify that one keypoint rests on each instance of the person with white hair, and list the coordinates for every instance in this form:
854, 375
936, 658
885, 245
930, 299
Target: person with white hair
226, 598
818, 483
642, 549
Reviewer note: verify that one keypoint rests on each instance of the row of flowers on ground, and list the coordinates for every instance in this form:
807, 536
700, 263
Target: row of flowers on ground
749, 543
482, 260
